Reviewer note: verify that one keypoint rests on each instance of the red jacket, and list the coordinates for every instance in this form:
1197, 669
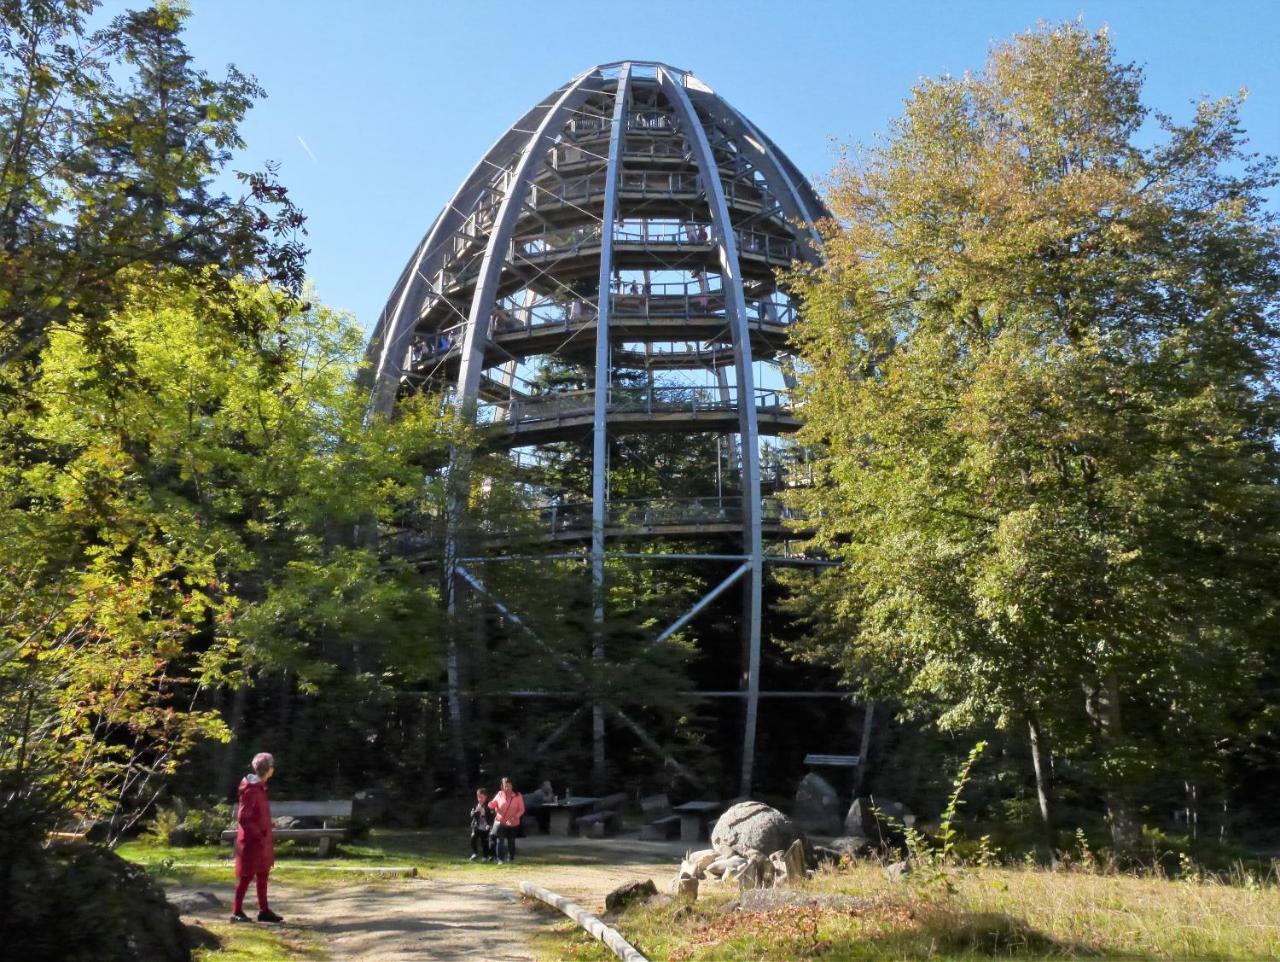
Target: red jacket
509, 806
255, 851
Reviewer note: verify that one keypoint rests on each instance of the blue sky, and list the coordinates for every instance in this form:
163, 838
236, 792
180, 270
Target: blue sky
396, 100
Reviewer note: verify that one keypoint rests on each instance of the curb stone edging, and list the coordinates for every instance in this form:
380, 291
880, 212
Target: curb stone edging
609, 936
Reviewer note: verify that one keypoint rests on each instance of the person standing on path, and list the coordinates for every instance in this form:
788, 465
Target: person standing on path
508, 807
481, 825
255, 850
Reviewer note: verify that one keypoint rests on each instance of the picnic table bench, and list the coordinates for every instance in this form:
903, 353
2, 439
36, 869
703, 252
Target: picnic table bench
661, 823
693, 819
324, 810
565, 812
831, 761
597, 816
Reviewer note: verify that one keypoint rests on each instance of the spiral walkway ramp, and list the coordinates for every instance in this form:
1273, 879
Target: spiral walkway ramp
631, 225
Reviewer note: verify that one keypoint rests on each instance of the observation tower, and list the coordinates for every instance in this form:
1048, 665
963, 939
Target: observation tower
630, 227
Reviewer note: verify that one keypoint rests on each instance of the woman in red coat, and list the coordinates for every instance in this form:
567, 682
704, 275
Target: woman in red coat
255, 853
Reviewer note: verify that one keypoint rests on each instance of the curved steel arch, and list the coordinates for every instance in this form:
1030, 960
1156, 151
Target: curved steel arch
742, 179
395, 324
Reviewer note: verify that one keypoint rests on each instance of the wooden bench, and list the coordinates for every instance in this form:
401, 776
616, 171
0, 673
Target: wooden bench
326, 811
694, 817
831, 761
599, 824
661, 829
660, 823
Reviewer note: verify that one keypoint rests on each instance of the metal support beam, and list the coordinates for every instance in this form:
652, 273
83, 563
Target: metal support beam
702, 603
622, 716
495, 252
736, 305
395, 327
558, 732
759, 150
599, 433
476, 332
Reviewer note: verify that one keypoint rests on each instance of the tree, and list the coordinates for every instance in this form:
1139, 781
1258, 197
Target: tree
110, 142
188, 523
1040, 363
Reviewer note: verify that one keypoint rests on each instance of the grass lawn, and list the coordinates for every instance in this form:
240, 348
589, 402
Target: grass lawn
439, 853
991, 913
259, 943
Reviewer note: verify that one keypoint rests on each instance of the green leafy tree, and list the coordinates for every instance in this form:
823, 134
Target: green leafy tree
110, 143
1040, 362
189, 523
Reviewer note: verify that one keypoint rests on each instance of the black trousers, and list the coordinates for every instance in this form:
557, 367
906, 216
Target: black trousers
480, 843
505, 843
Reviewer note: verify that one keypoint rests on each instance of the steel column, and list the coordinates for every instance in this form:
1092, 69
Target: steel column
495, 253
599, 428
735, 301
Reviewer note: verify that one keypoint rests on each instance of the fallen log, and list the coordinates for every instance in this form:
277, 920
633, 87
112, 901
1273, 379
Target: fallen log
610, 937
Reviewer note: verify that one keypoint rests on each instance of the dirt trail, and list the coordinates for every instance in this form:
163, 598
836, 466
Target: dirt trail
408, 920
416, 920
448, 916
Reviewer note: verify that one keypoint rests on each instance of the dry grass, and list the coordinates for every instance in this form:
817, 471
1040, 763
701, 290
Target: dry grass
983, 914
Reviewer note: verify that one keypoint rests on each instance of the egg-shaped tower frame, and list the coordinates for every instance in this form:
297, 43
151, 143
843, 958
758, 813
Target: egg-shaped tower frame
634, 222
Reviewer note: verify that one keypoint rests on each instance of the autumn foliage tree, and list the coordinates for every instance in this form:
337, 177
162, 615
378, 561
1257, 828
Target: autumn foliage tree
1040, 363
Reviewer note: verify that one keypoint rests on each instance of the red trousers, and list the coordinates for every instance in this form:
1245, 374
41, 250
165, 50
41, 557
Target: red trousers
242, 886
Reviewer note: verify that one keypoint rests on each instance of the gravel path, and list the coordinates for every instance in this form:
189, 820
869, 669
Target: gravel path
417, 920
448, 917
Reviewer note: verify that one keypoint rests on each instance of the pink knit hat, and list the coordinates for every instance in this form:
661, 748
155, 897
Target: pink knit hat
263, 763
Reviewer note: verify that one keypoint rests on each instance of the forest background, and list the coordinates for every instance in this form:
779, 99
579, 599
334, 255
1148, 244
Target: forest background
1056, 511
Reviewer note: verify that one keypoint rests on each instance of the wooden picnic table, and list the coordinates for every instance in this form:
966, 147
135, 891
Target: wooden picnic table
693, 819
565, 811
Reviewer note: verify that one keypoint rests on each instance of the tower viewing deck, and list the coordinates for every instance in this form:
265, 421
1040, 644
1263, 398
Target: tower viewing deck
611, 271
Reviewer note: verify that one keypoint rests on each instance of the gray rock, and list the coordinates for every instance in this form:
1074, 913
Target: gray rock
853, 846
771, 900
817, 806
750, 826
700, 860
194, 903
861, 821
685, 888
722, 867
826, 856
898, 871
794, 861
757, 873
628, 892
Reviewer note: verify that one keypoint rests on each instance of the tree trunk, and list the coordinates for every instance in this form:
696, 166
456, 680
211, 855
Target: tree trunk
864, 748
1102, 702
229, 769
1041, 760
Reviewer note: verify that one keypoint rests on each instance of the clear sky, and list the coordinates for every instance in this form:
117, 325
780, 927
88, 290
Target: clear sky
378, 109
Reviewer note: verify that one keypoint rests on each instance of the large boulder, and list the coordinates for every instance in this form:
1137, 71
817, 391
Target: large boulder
861, 820
753, 827
84, 903
817, 806
629, 892
195, 903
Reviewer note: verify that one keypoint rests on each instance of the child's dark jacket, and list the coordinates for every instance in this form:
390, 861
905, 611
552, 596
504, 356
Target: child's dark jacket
480, 818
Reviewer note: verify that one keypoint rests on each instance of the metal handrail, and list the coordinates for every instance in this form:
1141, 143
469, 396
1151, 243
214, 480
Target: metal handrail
651, 512
661, 234
661, 399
